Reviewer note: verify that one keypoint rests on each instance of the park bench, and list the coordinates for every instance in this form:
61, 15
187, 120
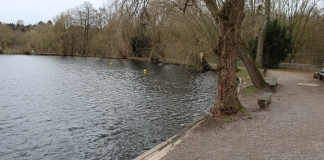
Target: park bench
264, 100
263, 71
273, 84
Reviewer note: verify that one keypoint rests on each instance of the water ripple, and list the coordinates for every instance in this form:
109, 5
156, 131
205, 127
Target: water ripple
84, 108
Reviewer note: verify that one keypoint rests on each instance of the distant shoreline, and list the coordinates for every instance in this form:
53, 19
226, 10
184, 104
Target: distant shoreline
141, 59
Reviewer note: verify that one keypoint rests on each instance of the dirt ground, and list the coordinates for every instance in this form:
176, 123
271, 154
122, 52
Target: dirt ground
292, 127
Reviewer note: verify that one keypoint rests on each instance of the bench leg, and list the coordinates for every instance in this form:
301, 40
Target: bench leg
272, 89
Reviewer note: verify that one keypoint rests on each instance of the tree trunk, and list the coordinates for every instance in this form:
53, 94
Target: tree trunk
259, 54
231, 17
2, 45
203, 64
255, 75
72, 45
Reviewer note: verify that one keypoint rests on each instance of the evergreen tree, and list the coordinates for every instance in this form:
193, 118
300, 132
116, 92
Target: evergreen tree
277, 46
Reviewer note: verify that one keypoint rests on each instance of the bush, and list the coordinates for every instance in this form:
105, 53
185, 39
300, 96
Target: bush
141, 45
277, 45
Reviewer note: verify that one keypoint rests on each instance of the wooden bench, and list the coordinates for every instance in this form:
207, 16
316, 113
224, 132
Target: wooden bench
273, 84
264, 100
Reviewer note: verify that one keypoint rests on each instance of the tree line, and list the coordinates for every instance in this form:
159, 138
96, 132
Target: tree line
161, 30
182, 32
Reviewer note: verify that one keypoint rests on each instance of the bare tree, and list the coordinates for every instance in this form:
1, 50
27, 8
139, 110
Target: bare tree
61, 29
20, 22
5, 35
298, 15
230, 18
86, 19
255, 75
262, 34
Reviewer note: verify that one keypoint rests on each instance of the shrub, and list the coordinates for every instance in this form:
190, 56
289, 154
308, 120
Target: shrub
141, 45
277, 45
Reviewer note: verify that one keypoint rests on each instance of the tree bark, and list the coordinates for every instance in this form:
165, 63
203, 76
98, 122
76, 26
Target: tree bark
262, 34
255, 75
231, 17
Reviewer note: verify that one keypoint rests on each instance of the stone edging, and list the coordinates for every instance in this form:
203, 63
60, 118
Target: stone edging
160, 150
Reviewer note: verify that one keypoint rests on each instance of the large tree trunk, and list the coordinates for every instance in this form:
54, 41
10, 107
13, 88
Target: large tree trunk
231, 17
262, 34
254, 73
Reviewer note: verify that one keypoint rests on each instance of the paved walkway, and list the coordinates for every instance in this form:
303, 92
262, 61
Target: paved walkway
292, 127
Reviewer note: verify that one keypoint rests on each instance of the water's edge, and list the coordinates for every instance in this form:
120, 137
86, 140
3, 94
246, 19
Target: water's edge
91, 108
163, 148
160, 150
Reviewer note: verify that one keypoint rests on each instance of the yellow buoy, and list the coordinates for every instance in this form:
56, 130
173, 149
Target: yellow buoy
110, 63
144, 70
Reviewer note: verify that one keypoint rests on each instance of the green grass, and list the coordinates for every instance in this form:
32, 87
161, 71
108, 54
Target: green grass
244, 73
240, 64
250, 90
228, 120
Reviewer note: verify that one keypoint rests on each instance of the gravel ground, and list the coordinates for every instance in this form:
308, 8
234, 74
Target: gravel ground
292, 127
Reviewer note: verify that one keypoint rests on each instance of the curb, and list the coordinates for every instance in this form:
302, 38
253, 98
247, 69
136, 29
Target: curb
160, 150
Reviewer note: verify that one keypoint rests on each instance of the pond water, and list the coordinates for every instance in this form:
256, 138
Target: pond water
93, 108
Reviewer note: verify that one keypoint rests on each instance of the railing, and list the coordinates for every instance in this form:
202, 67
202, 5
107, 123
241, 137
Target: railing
300, 66
308, 58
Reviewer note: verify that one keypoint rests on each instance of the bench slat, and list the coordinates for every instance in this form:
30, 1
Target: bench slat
264, 100
265, 96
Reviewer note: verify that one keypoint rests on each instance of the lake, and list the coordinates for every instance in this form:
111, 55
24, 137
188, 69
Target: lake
94, 108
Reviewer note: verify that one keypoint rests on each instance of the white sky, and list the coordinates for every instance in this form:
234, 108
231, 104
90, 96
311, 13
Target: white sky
33, 11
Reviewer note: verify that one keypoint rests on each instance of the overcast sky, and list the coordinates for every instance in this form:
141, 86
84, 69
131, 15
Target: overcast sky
33, 11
